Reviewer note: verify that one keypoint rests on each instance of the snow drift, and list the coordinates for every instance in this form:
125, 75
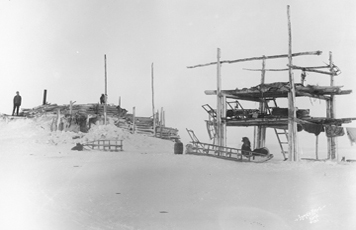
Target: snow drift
45, 185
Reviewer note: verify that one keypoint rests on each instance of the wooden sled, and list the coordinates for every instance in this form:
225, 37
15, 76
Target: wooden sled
105, 145
228, 153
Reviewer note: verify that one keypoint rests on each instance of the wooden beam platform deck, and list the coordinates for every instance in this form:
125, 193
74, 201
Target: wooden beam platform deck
281, 90
280, 122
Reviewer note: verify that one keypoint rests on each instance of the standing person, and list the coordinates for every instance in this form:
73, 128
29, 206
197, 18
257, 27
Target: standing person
17, 103
102, 99
246, 146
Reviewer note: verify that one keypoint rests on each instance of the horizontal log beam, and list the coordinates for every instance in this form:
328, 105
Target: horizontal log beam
311, 70
313, 67
251, 97
258, 58
282, 121
266, 69
305, 94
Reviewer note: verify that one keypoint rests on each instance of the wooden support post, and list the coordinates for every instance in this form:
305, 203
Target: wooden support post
332, 140
157, 122
317, 147
153, 101
261, 130
133, 120
44, 97
161, 122
255, 137
224, 122
120, 101
220, 133
292, 125
106, 92
58, 119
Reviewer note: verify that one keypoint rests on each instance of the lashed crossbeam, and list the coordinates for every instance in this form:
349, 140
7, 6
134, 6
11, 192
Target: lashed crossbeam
258, 58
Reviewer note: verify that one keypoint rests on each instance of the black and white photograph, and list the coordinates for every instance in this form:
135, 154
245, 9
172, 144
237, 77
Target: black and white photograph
177, 114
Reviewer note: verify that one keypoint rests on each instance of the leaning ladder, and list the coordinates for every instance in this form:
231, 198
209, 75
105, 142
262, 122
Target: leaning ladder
282, 143
211, 123
209, 110
282, 134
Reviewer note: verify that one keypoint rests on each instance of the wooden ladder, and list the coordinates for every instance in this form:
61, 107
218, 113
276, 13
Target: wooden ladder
210, 111
282, 142
282, 134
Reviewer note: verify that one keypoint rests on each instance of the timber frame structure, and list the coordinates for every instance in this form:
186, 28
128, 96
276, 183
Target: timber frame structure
288, 122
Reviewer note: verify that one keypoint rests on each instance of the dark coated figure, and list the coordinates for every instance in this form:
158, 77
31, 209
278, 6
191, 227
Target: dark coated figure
17, 103
102, 99
246, 146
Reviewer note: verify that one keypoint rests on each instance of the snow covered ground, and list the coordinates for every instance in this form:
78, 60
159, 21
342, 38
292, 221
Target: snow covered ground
44, 185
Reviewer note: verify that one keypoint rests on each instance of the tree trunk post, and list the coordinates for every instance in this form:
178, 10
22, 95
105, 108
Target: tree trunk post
332, 140
292, 125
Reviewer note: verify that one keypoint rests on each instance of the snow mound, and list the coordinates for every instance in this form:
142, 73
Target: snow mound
38, 130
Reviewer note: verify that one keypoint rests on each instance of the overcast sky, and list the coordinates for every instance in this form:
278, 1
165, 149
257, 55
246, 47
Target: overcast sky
59, 45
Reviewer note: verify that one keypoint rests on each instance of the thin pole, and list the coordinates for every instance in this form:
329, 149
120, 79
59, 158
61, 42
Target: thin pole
134, 119
153, 101
161, 122
317, 147
261, 130
219, 102
332, 140
224, 123
106, 91
292, 126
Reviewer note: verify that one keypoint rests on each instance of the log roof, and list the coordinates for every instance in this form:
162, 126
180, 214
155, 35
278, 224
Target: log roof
280, 90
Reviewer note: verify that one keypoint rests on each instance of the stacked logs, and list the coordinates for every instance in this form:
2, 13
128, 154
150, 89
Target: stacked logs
80, 117
92, 109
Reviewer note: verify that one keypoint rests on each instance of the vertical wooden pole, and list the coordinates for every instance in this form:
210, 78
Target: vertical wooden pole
106, 91
292, 125
134, 120
44, 97
332, 140
153, 101
317, 147
161, 123
255, 137
220, 136
224, 123
58, 119
157, 123
261, 130
328, 138
120, 101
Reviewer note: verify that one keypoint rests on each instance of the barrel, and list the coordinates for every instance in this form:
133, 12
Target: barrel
178, 147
